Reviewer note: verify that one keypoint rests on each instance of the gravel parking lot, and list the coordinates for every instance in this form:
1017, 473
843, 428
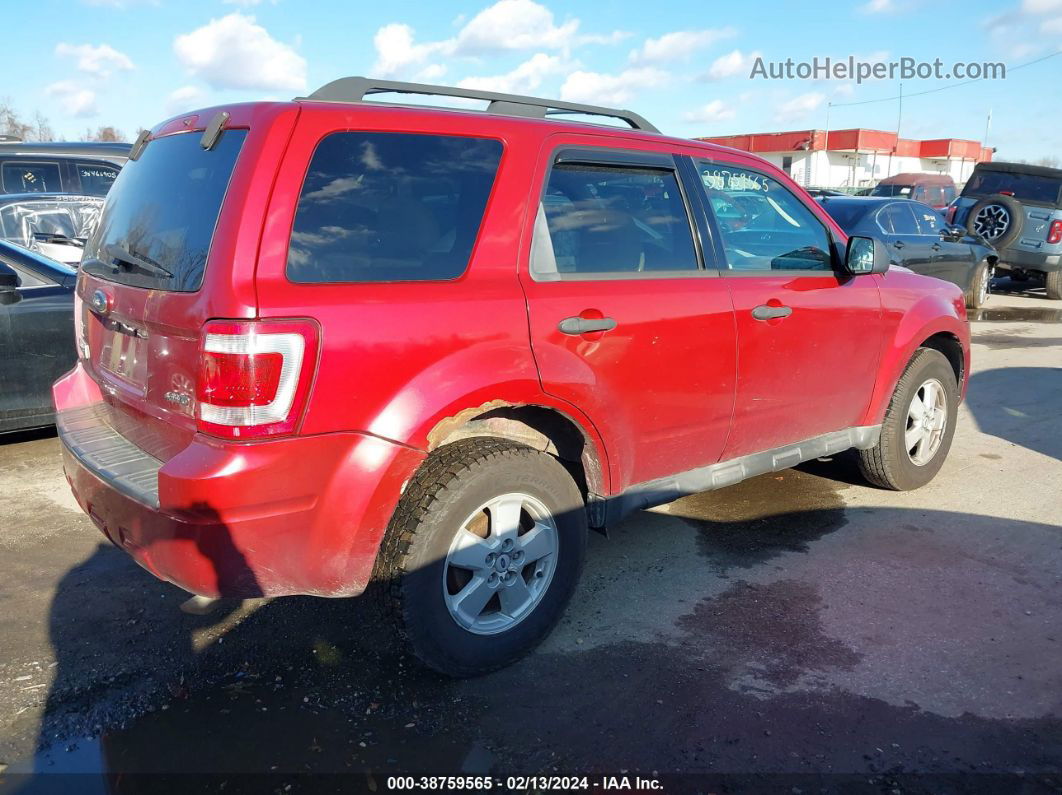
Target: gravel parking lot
800, 623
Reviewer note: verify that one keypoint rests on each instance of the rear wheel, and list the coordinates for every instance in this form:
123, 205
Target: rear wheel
918, 427
482, 554
1053, 283
980, 286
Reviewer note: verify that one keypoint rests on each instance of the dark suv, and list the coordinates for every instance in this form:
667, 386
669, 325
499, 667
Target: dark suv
88, 169
1017, 209
333, 341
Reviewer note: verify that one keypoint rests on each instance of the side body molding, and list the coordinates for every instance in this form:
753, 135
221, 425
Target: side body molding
727, 473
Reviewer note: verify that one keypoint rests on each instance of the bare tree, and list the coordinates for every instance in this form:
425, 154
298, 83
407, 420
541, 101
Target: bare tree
1050, 162
107, 133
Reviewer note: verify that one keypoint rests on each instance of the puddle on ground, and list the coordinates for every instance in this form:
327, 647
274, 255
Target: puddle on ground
1016, 314
753, 521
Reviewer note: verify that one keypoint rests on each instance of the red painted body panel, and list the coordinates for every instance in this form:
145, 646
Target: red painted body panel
305, 513
300, 515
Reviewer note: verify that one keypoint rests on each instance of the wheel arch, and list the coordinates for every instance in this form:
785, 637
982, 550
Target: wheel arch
542, 427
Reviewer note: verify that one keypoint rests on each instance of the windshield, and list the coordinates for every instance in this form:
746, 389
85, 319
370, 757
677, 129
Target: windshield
1024, 187
892, 190
160, 214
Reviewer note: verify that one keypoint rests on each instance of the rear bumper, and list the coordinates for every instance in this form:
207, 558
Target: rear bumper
1010, 258
301, 515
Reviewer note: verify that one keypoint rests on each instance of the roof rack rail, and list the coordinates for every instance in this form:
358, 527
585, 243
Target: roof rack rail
355, 89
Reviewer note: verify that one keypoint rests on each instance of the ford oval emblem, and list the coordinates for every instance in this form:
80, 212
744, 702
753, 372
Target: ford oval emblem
99, 302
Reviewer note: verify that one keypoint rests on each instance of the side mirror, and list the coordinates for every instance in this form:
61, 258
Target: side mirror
953, 233
866, 255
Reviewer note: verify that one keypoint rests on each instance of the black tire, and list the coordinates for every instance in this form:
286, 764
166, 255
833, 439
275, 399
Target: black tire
1053, 285
888, 463
1012, 230
980, 286
449, 487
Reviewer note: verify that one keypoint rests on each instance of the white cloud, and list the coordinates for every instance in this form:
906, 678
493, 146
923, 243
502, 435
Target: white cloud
1052, 27
678, 45
878, 7
714, 111
1041, 6
505, 26
234, 52
524, 79
799, 106
611, 89
184, 98
396, 50
733, 63
75, 99
246, 3
99, 61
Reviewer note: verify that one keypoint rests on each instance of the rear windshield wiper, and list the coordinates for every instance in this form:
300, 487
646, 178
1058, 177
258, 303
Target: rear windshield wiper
122, 258
48, 237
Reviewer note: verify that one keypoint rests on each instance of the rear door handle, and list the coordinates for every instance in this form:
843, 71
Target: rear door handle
936, 247
898, 244
764, 312
584, 325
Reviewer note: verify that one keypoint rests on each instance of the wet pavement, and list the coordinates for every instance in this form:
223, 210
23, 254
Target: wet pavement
797, 632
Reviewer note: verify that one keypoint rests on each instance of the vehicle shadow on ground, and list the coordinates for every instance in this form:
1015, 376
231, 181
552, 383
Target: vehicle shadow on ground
1021, 405
301, 685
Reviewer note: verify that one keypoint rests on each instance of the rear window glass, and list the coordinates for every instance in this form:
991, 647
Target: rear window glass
96, 179
382, 207
161, 212
30, 177
1024, 187
847, 213
892, 190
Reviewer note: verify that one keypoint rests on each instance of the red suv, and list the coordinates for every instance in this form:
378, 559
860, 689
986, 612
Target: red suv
333, 341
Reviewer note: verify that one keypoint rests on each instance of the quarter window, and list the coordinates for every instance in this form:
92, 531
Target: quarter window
388, 207
604, 219
763, 226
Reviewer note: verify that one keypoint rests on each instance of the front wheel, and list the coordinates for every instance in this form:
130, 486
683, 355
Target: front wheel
482, 554
980, 286
919, 425
1053, 283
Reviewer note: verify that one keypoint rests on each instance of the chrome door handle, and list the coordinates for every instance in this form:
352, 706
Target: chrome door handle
585, 325
764, 312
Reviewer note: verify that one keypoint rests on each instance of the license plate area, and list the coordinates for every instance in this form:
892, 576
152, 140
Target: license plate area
124, 353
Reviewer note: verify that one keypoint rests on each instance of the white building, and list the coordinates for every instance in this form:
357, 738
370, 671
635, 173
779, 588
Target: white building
858, 158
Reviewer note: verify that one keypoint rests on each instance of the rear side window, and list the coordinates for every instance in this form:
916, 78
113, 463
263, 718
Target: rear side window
612, 219
30, 177
160, 214
388, 207
96, 179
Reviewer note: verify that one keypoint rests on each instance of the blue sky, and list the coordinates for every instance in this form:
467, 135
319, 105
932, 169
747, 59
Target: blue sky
684, 65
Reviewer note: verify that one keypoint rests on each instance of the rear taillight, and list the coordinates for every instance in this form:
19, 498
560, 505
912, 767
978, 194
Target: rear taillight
949, 214
1054, 233
254, 376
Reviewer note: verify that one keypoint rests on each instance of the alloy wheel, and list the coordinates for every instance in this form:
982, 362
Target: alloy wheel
927, 420
500, 563
992, 221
